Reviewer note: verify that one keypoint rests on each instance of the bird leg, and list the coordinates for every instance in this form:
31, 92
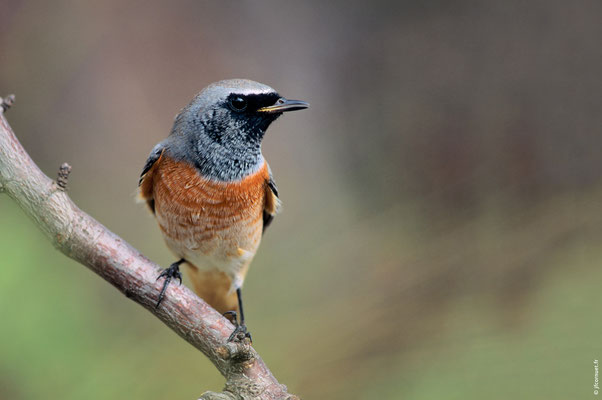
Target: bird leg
172, 272
240, 331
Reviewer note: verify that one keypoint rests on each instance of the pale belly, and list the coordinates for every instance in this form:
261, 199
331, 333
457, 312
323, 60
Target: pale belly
212, 246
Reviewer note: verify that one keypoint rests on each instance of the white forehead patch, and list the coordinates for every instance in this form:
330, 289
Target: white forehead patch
218, 91
240, 86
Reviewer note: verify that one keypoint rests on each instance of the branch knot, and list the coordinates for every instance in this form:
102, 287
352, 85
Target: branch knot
7, 102
63, 176
240, 352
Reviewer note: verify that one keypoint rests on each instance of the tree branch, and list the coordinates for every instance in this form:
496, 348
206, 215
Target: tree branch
82, 238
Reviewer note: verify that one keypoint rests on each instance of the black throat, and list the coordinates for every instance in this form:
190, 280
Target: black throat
226, 145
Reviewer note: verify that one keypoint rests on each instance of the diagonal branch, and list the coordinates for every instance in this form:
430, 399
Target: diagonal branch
82, 238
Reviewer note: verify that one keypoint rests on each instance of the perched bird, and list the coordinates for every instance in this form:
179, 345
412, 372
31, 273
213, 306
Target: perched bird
212, 191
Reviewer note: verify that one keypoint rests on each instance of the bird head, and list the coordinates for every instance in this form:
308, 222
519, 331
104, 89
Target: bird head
221, 130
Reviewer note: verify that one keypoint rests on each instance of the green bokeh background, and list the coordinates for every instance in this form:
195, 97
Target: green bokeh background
442, 197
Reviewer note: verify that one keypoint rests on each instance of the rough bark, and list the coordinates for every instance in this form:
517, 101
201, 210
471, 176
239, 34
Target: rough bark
82, 238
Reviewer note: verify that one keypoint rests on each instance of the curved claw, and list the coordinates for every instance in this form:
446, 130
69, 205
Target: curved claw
239, 334
169, 273
232, 317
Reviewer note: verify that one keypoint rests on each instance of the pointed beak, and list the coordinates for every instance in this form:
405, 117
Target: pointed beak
283, 105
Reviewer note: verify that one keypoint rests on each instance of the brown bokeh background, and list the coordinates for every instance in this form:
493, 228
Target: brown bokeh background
442, 213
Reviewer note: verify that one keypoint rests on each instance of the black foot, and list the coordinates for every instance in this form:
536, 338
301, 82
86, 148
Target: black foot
172, 272
240, 331
239, 334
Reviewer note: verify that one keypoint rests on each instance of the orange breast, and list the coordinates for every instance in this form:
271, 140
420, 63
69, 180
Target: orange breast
202, 217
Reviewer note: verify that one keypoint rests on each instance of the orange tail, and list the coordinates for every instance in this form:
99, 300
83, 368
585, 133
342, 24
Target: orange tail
213, 286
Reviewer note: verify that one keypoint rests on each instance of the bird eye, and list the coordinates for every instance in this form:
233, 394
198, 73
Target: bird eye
238, 104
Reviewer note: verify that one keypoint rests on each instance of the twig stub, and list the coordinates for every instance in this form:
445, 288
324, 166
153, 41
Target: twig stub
63, 176
7, 102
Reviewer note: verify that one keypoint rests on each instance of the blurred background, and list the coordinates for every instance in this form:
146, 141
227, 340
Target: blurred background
442, 226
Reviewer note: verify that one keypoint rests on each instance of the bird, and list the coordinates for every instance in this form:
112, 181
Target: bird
213, 193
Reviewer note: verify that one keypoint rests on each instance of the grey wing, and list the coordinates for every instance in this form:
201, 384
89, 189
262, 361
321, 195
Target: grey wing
145, 184
151, 160
272, 203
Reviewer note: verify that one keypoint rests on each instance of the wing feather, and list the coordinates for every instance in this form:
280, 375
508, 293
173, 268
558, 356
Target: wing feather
145, 184
272, 202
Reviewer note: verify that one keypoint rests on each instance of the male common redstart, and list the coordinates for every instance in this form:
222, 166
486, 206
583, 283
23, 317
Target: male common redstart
212, 191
